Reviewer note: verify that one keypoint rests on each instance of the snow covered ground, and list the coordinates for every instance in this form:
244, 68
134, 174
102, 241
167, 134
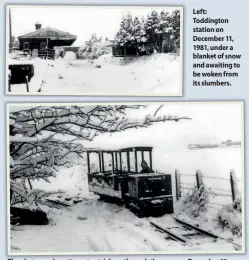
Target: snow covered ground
158, 74
95, 226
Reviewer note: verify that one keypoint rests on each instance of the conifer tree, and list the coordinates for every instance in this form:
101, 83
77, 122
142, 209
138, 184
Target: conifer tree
158, 32
175, 21
125, 33
152, 30
139, 35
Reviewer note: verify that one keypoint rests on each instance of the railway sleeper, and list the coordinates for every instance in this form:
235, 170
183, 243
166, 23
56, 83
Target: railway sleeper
186, 227
172, 227
171, 238
169, 233
194, 233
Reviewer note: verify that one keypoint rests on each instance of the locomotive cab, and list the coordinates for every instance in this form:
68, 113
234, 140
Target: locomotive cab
125, 176
150, 194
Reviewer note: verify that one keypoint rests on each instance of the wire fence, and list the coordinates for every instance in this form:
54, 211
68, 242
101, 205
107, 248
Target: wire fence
227, 187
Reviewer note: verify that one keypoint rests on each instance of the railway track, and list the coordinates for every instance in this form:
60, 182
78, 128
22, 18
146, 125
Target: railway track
187, 233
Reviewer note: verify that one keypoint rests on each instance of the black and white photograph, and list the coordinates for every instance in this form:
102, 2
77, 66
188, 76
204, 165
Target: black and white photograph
94, 50
127, 178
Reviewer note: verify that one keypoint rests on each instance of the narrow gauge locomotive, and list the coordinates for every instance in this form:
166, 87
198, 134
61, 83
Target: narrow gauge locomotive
115, 175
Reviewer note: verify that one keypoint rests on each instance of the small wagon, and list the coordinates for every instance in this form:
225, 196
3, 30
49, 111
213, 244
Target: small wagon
117, 175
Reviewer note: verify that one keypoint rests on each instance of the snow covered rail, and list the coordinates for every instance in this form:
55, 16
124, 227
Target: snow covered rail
167, 231
187, 233
184, 233
57, 203
205, 232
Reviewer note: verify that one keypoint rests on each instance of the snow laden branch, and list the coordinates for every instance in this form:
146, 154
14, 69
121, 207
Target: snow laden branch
82, 122
38, 160
42, 138
145, 122
32, 197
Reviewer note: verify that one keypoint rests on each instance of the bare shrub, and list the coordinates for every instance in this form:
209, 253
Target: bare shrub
230, 218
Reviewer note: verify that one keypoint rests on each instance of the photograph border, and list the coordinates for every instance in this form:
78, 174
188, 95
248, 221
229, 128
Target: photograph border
178, 252
7, 93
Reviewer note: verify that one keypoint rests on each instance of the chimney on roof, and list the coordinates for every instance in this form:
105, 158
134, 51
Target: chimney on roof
38, 26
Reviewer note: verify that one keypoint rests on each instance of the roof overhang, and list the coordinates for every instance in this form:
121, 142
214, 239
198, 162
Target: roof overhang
128, 149
51, 38
41, 34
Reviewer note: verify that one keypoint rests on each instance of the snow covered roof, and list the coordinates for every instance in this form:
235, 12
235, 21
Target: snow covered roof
49, 32
20, 62
127, 149
108, 43
137, 148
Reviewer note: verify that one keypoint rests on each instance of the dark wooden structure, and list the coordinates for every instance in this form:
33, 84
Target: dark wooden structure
41, 42
123, 51
121, 180
20, 73
74, 49
22, 216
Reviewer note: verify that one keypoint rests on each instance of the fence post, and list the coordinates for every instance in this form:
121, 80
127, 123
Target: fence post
178, 184
9, 85
199, 179
27, 83
234, 185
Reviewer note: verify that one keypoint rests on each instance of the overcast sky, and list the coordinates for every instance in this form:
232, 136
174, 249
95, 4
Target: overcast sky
211, 122
80, 21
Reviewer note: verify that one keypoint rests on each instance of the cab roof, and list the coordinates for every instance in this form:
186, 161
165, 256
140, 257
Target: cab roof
127, 149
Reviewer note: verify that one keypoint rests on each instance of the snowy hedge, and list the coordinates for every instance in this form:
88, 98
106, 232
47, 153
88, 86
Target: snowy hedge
94, 48
196, 201
230, 218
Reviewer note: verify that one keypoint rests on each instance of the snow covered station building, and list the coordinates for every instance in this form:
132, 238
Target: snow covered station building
41, 42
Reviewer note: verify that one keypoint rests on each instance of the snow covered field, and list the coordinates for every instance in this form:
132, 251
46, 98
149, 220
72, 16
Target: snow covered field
158, 74
95, 226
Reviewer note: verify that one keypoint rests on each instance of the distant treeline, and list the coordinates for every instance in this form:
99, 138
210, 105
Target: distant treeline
228, 143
